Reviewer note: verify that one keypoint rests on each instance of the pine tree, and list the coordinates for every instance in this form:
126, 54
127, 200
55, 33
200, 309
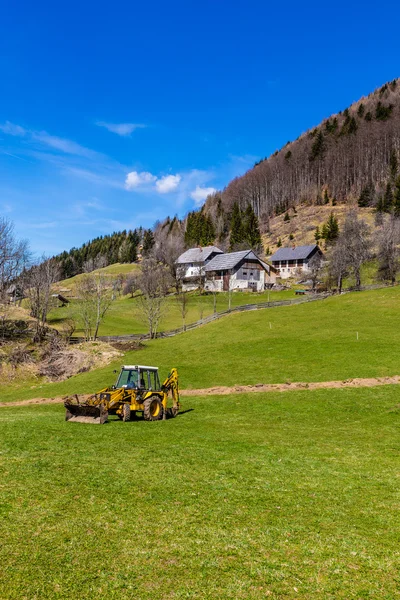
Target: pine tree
326, 197
148, 242
361, 110
367, 196
279, 244
317, 234
237, 230
318, 147
252, 233
388, 199
396, 197
286, 217
332, 226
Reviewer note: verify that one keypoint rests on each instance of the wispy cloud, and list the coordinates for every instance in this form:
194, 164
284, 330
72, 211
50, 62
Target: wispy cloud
51, 141
112, 180
122, 129
62, 144
200, 194
12, 129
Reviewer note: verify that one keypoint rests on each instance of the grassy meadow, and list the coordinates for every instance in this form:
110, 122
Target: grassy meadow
316, 341
124, 315
284, 495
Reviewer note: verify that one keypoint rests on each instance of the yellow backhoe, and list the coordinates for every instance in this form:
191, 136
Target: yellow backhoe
137, 390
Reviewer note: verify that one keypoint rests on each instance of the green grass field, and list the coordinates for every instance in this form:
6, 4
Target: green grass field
124, 315
292, 495
308, 342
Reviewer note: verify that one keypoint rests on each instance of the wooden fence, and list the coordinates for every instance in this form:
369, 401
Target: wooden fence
209, 319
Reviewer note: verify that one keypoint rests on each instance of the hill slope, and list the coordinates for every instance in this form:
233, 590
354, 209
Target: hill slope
355, 148
308, 342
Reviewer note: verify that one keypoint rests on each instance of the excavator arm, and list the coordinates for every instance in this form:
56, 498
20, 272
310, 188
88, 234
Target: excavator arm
171, 384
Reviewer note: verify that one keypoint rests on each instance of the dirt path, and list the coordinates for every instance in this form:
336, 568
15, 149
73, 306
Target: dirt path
247, 389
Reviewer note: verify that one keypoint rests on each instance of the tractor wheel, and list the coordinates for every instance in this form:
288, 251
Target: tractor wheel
126, 412
153, 409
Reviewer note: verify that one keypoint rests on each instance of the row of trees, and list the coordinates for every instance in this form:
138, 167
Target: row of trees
122, 247
354, 246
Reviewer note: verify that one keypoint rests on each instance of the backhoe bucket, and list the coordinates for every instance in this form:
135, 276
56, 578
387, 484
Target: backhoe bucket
85, 413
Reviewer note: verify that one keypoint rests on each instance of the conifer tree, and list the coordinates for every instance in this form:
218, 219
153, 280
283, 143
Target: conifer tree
388, 198
237, 230
148, 242
279, 244
252, 233
367, 196
396, 197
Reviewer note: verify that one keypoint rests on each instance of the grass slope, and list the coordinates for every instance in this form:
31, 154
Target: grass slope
111, 270
307, 342
124, 316
285, 496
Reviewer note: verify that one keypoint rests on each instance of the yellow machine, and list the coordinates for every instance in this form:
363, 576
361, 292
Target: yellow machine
137, 390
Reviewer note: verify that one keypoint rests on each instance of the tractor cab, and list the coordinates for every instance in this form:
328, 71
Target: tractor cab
138, 377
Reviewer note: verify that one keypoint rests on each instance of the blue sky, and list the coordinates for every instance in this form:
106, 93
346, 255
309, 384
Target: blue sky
114, 115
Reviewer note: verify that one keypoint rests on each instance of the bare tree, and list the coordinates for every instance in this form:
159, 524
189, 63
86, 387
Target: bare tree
154, 283
338, 264
388, 249
315, 268
95, 298
169, 245
355, 237
182, 301
131, 285
92, 264
14, 257
38, 282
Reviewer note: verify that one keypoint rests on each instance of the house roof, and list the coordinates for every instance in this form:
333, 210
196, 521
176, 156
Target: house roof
296, 253
197, 255
228, 261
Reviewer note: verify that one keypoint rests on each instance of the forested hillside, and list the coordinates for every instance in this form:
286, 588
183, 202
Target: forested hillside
351, 154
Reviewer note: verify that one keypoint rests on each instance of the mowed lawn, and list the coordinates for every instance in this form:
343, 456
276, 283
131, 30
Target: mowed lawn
291, 495
316, 341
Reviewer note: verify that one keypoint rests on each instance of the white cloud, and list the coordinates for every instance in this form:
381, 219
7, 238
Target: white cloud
12, 129
168, 183
134, 179
201, 193
123, 129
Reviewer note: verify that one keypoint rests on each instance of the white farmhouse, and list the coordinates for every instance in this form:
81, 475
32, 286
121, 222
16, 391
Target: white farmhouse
191, 265
292, 261
238, 271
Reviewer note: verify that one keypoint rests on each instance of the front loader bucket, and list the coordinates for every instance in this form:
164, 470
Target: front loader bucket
86, 413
